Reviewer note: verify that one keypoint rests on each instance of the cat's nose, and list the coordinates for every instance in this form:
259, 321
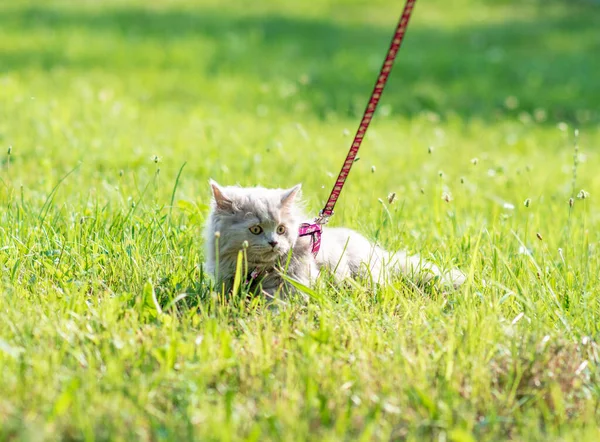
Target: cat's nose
273, 243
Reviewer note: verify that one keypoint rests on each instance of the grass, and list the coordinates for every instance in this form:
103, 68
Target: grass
114, 114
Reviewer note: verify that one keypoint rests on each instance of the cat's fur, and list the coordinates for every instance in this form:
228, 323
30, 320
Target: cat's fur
344, 252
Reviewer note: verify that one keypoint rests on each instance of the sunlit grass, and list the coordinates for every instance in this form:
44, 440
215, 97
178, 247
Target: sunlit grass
114, 115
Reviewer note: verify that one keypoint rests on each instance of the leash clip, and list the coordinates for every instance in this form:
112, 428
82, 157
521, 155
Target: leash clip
323, 219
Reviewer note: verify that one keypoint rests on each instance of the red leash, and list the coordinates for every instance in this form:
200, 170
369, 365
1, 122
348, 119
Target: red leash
315, 229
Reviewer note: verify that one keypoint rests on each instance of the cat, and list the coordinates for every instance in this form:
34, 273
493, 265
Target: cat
265, 223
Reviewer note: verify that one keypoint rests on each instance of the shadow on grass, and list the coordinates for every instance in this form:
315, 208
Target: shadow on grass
548, 64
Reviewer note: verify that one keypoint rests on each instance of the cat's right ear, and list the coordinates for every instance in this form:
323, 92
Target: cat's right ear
289, 195
221, 200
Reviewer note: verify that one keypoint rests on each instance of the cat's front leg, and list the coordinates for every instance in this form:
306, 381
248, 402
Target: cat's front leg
303, 273
275, 287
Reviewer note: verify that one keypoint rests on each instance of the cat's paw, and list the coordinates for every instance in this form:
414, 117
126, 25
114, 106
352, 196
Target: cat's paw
454, 278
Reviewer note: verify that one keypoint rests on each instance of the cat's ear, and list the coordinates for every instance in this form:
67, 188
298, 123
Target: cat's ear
221, 200
289, 195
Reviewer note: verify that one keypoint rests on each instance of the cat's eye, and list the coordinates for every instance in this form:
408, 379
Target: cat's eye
281, 229
256, 230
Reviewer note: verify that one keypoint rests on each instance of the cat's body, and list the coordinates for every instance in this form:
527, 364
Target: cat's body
266, 222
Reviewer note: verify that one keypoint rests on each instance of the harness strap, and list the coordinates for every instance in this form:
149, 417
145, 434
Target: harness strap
315, 229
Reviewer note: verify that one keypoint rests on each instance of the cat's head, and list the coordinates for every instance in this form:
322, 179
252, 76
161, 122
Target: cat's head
268, 219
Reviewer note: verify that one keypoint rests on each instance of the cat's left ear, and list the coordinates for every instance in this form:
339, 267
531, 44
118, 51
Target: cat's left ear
289, 195
221, 200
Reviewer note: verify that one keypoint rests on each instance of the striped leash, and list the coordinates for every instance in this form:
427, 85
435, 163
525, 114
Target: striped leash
315, 229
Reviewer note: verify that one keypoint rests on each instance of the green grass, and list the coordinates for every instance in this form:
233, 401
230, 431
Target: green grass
108, 329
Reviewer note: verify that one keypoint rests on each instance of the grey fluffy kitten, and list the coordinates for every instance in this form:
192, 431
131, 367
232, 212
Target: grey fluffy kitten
268, 220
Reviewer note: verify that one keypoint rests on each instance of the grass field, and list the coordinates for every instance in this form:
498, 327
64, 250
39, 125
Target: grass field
115, 113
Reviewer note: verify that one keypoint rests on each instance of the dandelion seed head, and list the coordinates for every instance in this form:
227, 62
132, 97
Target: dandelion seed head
511, 102
524, 251
540, 115
583, 195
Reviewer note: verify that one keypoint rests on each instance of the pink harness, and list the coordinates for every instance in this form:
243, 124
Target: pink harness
315, 229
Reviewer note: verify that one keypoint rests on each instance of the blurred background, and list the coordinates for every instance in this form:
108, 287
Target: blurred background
116, 82
483, 59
